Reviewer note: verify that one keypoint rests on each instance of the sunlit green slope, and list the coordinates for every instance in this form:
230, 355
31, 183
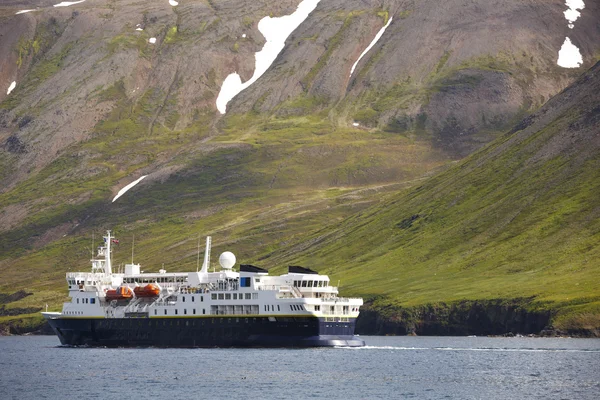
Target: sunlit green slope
519, 219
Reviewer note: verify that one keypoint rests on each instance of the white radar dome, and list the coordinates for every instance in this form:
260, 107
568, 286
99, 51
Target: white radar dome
227, 260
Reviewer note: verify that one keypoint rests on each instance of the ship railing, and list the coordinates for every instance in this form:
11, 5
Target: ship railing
192, 290
329, 312
340, 299
132, 305
296, 292
273, 287
246, 312
165, 303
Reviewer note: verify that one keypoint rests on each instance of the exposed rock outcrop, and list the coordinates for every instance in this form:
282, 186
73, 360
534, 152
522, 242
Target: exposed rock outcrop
493, 317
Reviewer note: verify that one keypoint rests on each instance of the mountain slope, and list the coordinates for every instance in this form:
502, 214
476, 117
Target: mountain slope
98, 104
519, 219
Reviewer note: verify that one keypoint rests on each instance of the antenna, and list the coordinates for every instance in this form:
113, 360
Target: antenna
92, 244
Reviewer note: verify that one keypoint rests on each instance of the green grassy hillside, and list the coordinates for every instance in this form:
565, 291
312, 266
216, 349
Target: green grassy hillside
310, 165
516, 220
519, 219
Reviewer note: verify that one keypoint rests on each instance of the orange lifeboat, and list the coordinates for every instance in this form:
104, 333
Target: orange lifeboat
150, 290
120, 293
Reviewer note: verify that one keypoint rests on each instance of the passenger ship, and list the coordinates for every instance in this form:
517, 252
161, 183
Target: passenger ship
203, 309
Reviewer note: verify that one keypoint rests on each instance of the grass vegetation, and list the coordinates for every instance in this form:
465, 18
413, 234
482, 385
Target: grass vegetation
496, 225
300, 188
333, 44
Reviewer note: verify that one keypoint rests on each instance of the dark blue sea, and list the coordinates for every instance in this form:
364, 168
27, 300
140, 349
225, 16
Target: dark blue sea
36, 367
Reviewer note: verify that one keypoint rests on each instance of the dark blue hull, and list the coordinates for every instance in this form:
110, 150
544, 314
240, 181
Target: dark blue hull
206, 332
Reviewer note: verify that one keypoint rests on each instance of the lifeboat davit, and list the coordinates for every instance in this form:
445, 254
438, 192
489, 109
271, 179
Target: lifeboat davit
150, 290
120, 293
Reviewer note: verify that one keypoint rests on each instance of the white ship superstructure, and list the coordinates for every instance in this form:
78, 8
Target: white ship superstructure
227, 307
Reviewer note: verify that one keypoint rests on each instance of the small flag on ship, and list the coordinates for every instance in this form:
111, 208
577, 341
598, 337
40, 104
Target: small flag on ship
115, 241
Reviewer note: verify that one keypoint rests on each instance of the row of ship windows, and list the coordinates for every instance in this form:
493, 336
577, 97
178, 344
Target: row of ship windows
73, 282
311, 283
337, 319
158, 279
270, 307
234, 296
73, 312
214, 296
193, 298
185, 311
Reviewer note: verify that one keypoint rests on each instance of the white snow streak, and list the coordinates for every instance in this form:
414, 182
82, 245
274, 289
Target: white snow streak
275, 31
569, 55
152, 40
23, 12
173, 3
572, 14
11, 87
68, 3
377, 37
126, 188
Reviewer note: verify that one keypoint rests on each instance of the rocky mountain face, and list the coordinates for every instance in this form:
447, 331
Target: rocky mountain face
97, 94
455, 72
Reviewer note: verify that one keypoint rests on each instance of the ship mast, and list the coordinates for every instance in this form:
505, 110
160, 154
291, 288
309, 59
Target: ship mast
107, 255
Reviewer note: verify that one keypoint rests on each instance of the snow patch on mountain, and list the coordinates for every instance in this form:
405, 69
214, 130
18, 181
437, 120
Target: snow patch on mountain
126, 188
377, 37
276, 31
572, 14
68, 3
569, 55
11, 87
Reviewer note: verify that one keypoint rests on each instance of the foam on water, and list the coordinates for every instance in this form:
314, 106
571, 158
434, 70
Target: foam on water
518, 350
492, 349
383, 348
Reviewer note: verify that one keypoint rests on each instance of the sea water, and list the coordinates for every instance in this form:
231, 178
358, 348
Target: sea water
37, 367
